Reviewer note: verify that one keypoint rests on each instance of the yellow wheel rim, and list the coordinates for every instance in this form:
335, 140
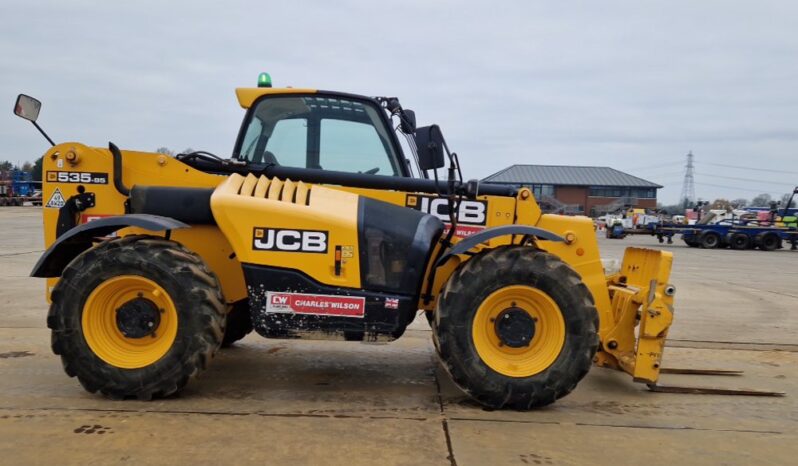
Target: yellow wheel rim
547, 340
103, 335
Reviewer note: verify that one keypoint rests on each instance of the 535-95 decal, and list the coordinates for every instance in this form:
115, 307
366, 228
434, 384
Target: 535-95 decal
77, 177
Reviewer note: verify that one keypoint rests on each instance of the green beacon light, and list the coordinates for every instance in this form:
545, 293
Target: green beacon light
264, 80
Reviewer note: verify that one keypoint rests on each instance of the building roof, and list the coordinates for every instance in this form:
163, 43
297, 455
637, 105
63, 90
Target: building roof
564, 175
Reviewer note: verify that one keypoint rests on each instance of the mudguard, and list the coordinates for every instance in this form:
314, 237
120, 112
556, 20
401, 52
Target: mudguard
484, 235
78, 239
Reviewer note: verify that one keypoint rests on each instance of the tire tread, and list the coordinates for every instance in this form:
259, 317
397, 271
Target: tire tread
505, 266
172, 372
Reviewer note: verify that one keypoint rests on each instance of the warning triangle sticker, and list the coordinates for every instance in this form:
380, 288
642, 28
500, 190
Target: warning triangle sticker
56, 200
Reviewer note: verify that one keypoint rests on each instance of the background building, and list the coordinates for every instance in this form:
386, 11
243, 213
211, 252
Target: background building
580, 190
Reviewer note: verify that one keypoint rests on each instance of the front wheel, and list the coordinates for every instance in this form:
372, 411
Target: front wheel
136, 317
516, 327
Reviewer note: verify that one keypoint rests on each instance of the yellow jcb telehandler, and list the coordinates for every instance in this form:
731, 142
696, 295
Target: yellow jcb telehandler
321, 226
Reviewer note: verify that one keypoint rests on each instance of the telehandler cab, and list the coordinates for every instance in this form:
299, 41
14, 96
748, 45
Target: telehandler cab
317, 228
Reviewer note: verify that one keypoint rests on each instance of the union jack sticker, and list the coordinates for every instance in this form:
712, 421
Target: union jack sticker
391, 303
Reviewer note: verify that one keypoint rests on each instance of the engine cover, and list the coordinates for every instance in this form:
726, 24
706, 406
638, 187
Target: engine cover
324, 263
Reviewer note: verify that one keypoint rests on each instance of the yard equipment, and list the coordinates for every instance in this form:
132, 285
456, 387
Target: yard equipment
633, 221
17, 188
317, 228
740, 229
736, 233
615, 229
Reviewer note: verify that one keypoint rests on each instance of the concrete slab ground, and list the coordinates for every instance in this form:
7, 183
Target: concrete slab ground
286, 402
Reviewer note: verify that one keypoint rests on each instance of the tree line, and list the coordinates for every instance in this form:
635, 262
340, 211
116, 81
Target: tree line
761, 200
35, 168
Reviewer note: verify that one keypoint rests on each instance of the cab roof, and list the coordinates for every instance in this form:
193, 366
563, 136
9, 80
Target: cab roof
248, 95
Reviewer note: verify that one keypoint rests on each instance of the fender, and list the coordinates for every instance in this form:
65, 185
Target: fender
484, 235
78, 239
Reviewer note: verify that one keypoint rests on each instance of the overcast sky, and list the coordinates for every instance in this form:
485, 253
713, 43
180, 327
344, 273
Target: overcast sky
632, 85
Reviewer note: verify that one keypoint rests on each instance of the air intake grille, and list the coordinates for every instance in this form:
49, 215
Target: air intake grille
276, 189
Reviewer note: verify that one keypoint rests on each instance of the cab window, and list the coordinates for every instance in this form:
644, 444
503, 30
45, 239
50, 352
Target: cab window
290, 140
319, 132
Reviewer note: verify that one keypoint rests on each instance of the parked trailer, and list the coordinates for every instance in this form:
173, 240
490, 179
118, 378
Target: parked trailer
735, 236
737, 233
633, 222
17, 188
10, 198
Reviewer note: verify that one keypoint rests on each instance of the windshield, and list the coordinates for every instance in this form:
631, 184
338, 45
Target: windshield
331, 133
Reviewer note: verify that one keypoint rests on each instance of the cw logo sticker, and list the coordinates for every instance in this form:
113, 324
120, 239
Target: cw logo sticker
279, 299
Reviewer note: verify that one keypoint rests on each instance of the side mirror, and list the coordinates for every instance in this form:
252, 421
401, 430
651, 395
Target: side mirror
407, 120
429, 144
27, 107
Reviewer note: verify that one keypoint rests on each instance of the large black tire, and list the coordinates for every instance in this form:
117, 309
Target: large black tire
710, 240
740, 241
193, 289
239, 323
693, 243
769, 242
496, 269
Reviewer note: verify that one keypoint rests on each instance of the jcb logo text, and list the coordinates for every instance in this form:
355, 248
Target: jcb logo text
470, 212
279, 239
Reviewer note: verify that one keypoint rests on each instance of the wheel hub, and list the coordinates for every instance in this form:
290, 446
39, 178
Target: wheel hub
515, 327
138, 318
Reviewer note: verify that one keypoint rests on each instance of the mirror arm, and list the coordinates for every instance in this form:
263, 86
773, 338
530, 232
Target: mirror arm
456, 160
43, 133
411, 144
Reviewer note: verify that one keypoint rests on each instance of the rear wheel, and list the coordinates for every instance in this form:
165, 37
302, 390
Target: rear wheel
710, 240
516, 327
136, 317
769, 242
